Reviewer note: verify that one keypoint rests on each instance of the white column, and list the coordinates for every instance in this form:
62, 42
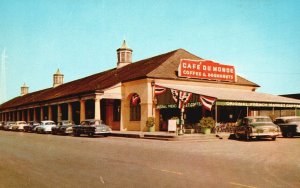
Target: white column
59, 112
82, 110
97, 108
70, 115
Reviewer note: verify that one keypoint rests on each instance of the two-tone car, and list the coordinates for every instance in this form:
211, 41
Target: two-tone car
289, 125
63, 127
258, 127
8, 125
19, 126
45, 126
91, 127
30, 127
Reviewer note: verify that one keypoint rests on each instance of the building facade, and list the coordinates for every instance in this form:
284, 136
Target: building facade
174, 84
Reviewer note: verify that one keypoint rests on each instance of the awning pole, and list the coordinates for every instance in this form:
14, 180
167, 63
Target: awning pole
216, 113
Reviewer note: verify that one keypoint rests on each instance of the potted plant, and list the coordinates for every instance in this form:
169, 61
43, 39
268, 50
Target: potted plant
206, 124
150, 123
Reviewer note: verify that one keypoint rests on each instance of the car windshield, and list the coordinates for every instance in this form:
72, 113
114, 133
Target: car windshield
23, 122
293, 120
260, 120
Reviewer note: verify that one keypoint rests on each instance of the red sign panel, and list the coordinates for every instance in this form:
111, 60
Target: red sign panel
206, 69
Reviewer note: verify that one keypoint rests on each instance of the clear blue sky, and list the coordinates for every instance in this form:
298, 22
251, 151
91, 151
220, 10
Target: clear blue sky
261, 38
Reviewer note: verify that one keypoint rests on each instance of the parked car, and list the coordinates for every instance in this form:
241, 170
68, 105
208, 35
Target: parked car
256, 126
30, 127
45, 127
91, 127
8, 125
289, 125
64, 127
19, 126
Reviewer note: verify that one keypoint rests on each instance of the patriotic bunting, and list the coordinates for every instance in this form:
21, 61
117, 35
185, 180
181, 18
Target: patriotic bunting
175, 94
207, 102
159, 90
181, 98
184, 98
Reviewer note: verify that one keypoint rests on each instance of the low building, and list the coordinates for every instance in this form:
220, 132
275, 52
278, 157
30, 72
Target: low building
174, 84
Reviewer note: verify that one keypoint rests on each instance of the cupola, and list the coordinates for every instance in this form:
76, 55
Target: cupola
24, 89
58, 78
124, 55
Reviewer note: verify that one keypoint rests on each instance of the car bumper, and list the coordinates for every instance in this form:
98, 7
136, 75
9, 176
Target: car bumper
265, 134
102, 132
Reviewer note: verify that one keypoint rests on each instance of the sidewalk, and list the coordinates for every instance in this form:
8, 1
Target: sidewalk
168, 136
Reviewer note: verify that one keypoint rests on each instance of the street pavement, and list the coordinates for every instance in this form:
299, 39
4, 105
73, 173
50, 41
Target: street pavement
35, 160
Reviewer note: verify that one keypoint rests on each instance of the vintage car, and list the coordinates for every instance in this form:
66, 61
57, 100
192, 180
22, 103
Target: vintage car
45, 127
19, 126
8, 125
91, 127
289, 125
64, 127
256, 126
30, 127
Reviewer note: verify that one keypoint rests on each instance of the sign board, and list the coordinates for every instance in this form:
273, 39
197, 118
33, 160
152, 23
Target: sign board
257, 104
172, 125
206, 69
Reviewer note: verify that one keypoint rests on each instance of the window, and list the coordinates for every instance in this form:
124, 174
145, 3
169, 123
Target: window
122, 57
135, 108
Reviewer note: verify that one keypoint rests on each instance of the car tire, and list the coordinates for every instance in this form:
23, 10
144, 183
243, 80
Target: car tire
289, 134
274, 138
90, 134
284, 135
237, 136
76, 134
248, 137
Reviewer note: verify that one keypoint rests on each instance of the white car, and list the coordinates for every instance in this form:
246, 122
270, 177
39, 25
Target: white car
45, 126
19, 126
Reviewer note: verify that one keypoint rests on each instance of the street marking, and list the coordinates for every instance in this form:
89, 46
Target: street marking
101, 179
168, 171
241, 185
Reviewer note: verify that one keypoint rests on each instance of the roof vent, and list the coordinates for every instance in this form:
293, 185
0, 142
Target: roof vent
58, 78
24, 89
124, 55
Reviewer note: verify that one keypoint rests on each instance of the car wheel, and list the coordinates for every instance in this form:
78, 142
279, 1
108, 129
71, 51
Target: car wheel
274, 138
248, 137
284, 135
289, 134
237, 136
90, 134
76, 134
53, 132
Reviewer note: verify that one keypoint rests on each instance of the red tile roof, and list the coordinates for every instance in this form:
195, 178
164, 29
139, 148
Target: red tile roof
162, 66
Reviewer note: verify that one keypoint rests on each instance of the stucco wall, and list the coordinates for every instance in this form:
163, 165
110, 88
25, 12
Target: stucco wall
144, 90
